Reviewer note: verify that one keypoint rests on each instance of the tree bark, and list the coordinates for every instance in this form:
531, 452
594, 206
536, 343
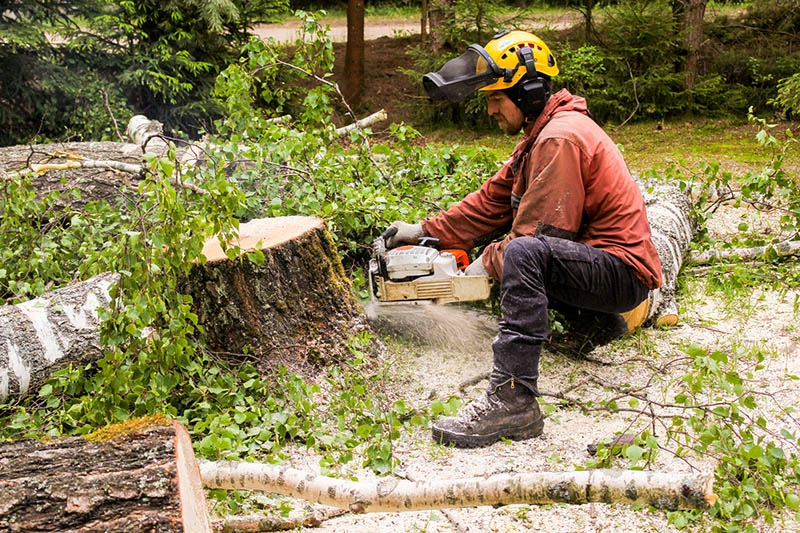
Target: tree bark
354, 52
94, 184
295, 307
669, 214
44, 335
141, 480
440, 14
688, 15
663, 490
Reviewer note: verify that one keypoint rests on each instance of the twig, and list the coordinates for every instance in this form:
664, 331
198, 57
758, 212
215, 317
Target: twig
241, 524
378, 116
111, 114
781, 249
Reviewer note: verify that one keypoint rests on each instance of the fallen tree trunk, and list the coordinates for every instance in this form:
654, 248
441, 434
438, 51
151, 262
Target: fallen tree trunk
670, 491
668, 211
102, 182
48, 333
125, 478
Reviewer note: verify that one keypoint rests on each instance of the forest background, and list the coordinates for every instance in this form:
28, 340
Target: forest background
703, 103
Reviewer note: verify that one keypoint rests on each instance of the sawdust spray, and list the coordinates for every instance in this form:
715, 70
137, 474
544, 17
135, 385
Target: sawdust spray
439, 326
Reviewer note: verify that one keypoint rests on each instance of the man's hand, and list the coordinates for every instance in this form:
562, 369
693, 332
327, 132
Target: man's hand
476, 268
406, 234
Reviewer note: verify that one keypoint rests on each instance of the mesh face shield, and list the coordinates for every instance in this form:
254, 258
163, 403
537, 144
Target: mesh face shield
462, 76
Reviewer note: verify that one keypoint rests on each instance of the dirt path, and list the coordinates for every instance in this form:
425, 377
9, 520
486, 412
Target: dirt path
373, 29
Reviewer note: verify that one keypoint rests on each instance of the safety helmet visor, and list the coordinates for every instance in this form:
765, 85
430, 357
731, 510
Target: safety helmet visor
462, 76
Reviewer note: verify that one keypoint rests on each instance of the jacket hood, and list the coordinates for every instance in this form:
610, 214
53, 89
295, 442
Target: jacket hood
559, 102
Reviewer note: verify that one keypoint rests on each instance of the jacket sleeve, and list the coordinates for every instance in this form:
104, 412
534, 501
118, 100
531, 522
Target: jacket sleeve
551, 197
478, 214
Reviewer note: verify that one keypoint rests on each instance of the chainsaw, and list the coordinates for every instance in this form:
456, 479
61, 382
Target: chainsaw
422, 274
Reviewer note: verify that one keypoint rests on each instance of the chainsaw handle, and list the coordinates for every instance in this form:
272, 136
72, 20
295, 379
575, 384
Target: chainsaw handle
390, 232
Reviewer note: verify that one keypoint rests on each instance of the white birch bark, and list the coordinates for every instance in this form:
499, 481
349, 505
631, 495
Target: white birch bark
43, 335
662, 490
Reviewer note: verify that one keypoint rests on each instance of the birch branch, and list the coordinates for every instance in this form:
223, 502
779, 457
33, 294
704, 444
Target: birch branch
75, 161
661, 490
781, 249
378, 116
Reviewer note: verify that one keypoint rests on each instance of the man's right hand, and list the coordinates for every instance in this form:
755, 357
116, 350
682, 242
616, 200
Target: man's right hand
406, 234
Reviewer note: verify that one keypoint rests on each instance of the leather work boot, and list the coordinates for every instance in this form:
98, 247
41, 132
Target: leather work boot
508, 412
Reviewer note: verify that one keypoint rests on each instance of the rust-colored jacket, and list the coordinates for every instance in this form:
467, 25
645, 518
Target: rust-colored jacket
566, 178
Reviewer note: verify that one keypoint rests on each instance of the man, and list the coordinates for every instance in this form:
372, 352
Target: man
576, 232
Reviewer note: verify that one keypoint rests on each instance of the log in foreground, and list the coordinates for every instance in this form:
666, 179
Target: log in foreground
670, 491
294, 307
140, 479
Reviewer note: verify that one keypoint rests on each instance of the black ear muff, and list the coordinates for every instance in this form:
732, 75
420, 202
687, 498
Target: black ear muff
533, 91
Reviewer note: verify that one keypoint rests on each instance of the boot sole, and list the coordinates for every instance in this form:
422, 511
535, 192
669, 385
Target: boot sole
460, 440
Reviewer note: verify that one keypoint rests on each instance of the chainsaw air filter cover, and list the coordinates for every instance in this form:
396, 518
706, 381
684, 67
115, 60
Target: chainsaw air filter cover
413, 261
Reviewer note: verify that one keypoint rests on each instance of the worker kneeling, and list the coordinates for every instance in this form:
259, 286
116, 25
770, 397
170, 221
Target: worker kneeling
564, 220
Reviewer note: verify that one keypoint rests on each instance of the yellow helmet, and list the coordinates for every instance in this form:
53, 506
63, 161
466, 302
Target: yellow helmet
504, 49
506, 59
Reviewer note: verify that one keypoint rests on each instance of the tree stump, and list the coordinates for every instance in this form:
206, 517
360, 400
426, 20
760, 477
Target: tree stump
295, 307
43, 335
124, 478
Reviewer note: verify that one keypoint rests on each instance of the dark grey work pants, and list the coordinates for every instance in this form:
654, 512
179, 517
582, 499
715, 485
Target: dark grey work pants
547, 271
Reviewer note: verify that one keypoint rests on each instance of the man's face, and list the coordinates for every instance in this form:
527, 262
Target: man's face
505, 112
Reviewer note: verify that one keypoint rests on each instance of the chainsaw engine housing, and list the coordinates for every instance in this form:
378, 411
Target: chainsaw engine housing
422, 273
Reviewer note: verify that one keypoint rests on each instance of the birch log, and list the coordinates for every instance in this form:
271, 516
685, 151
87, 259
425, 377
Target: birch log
670, 491
668, 211
780, 249
41, 336
124, 478
103, 182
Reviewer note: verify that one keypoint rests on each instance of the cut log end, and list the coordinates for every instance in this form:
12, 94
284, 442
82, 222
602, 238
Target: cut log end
293, 308
263, 233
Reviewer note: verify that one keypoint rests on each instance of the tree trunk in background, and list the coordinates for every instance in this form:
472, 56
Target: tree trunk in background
688, 16
145, 479
44, 335
587, 10
294, 308
354, 53
423, 23
441, 13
